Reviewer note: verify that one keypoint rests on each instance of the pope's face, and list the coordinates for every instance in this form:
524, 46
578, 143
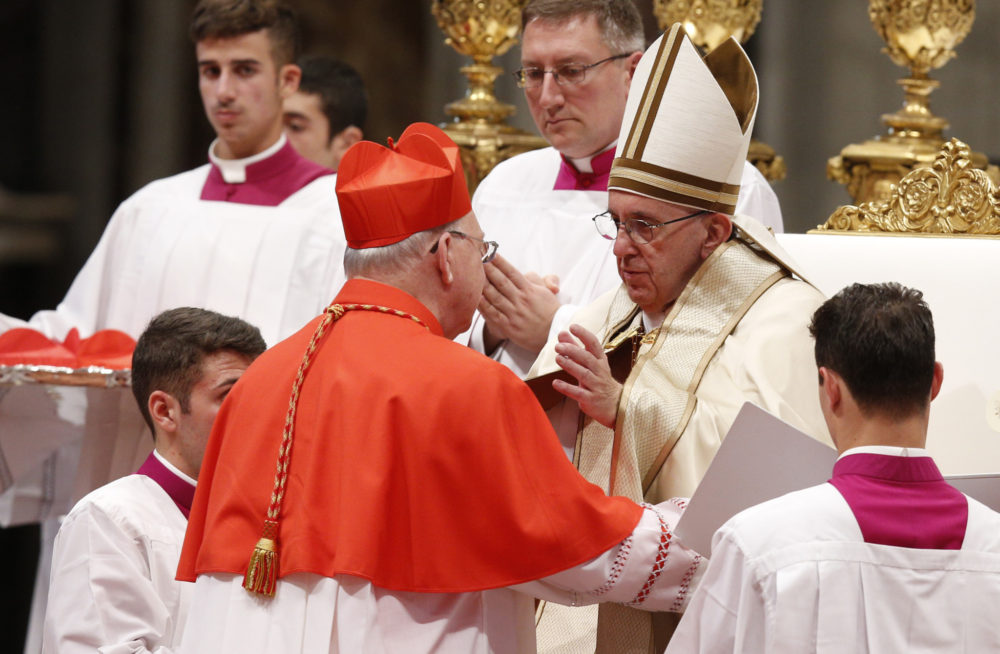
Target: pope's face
242, 90
656, 273
582, 119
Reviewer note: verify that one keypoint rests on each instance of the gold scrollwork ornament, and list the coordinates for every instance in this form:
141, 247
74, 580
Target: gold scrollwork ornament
951, 197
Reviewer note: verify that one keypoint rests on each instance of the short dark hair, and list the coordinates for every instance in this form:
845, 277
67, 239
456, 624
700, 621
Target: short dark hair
880, 339
340, 89
169, 353
223, 19
619, 20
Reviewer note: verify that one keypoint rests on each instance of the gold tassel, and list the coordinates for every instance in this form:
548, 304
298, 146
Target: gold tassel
262, 572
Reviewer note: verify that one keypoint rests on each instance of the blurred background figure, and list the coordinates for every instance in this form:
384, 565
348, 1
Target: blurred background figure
327, 114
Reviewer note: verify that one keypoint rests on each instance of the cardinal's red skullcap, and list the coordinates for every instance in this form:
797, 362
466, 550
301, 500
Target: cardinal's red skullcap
389, 193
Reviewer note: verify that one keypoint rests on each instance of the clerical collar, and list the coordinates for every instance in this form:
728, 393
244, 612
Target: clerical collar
179, 486
234, 171
651, 322
886, 450
588, 174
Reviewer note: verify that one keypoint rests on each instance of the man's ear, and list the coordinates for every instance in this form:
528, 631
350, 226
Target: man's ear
345, 138
165, 411
289, 77
632, 62
830, 387
444, 252
937, 379
718, 226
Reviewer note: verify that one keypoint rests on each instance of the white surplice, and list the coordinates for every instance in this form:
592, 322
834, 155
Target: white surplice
112, 586
275, 267
310, 613
794, 575
551, 233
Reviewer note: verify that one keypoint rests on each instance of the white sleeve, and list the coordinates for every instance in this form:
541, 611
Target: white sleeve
649, 570
758, 200
101, 597
726, 613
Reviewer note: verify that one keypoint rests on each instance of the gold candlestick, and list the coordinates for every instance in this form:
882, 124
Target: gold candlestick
482, 29
920, 35
708, 23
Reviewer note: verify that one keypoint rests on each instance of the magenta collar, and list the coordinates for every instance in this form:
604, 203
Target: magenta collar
268, 183
902, 501
180, 490
571, 179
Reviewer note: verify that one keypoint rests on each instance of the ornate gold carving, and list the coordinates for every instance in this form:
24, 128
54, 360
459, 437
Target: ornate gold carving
920, 35
951, 197
767, 161
482, 29
708, 24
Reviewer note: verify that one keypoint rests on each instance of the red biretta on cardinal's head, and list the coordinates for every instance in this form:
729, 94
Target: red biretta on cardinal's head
389, 193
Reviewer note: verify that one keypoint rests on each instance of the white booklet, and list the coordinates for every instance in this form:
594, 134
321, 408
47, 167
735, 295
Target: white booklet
763, 457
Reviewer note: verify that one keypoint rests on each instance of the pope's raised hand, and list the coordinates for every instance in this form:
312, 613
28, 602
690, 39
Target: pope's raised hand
516, 306
596, 390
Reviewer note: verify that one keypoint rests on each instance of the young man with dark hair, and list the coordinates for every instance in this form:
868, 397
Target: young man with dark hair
255, 232
112, 584
326, 115
886, 556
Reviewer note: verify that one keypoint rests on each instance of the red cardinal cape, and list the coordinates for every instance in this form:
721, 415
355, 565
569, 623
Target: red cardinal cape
417, 464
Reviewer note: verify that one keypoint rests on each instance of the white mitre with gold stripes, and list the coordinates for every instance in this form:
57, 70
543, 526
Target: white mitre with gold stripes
687, 124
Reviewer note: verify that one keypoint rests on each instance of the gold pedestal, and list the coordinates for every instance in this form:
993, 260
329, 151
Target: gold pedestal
482, 30
920, 35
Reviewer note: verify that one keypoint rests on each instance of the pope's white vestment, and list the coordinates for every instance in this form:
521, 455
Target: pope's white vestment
550, 232
112, 586
348, 615
794, 575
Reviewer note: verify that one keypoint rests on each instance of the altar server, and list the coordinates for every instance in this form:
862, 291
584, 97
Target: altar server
886, 556
408, 494
326, 115
255, 232
112, 585
577, 62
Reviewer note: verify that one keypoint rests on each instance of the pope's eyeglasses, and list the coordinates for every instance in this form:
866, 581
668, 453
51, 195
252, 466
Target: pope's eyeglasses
572, 73
488, 248
638, 230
